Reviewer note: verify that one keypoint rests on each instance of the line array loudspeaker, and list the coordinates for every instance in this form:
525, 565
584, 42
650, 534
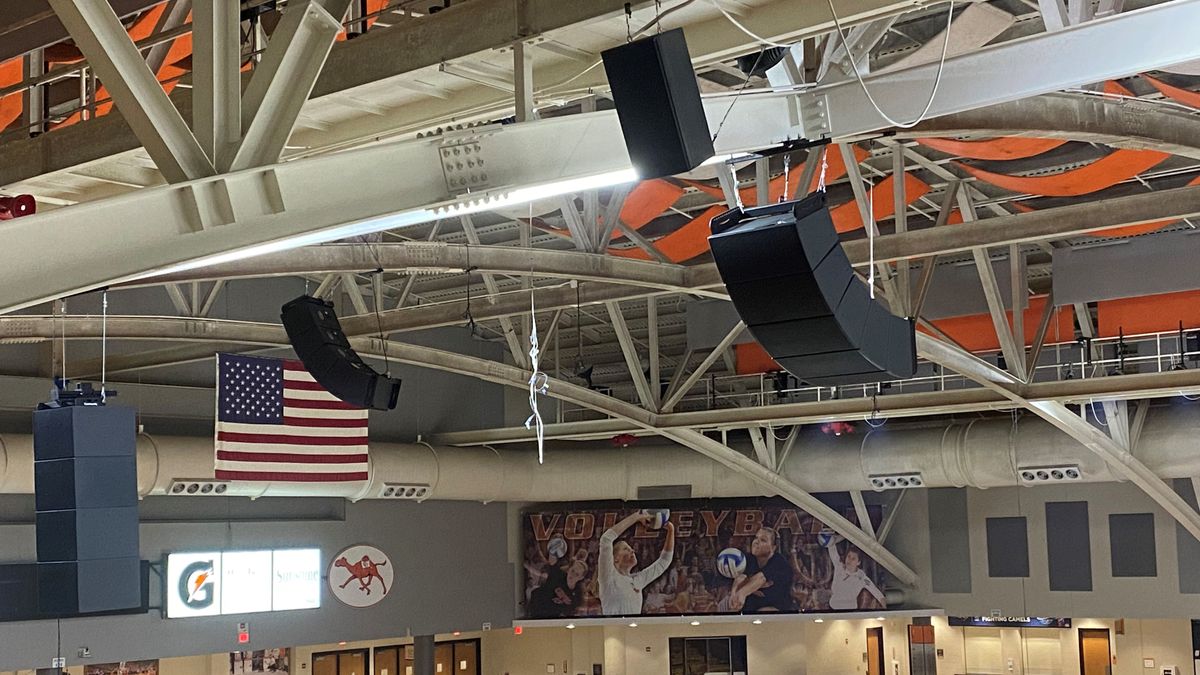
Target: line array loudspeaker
792, 284
658, 103
86, 504
316, 335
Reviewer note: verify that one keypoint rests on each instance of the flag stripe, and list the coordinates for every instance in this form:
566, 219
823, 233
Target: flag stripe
297, 440
302, 386
291, 477
287, 430
327, 423
309, 395
231, 456
319, 404
229, 465
289, 411
293, 449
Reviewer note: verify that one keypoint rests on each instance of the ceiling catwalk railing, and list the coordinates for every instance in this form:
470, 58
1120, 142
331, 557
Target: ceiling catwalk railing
1081, 359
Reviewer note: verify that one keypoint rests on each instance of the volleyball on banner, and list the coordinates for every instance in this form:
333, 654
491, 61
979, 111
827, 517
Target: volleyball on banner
735, 556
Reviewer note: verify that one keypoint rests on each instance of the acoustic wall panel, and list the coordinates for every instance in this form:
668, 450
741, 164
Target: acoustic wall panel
1008, 547
1132, 552
1187, 548
949, 540
1069, 546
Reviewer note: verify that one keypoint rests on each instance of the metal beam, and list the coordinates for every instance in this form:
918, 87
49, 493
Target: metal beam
515, 347
1057, 414
632, 361
283, 81
642, 242
216, 74
655, 377
102, 38
677, 394
612, 216
764, 447
523, 81
860, 510
1072, 57
1039, 338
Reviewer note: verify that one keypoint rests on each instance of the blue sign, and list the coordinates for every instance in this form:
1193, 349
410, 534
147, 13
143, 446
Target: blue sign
1010, 621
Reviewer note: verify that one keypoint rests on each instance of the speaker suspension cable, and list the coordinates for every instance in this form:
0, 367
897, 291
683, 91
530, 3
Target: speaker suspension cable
737, 95
824, 169
869, 223
104, 346
387, 363
467, 314
628, 20
787, 172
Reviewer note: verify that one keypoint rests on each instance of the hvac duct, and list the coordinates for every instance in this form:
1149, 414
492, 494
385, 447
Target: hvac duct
981, 453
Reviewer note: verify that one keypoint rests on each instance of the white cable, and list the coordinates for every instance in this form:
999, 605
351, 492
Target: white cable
937, 80
854, 64
538, 383
104, 347
869, 223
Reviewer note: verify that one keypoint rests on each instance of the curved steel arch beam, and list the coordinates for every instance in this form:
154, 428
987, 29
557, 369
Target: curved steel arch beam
431, 257
1120, 123
273, 335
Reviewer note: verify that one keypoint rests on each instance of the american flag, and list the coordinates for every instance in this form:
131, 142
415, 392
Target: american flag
275, 423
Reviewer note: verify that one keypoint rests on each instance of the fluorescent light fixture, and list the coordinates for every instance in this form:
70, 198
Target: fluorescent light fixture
462, 205
570, 626
633, 624
757, 622
695, 623
818, 620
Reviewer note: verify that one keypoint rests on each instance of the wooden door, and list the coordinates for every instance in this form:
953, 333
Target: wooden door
875, 651
1094, 652
387, 661
324, 664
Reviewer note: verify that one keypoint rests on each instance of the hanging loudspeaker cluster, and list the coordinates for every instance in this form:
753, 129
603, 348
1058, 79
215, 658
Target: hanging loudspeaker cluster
792, 284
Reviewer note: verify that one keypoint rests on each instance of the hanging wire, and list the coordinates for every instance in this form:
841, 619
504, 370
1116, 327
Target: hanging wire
467, 314
824, 169
937, 81
870, 216
103, 346
736, 96
628, 24
787, 170
539, 382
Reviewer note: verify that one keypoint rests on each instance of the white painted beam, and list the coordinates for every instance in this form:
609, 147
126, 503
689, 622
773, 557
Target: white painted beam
216, 75
102, 38
283, 81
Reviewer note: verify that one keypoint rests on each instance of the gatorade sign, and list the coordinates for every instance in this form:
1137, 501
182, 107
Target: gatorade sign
242, 582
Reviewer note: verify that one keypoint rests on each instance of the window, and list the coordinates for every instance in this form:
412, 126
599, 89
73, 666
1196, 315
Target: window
709, 655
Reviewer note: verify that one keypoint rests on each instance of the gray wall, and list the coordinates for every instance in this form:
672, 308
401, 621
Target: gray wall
916, 535
451, 573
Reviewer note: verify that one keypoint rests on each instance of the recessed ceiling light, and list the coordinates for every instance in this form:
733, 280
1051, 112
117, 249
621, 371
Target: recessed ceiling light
818, 620
695, 623
879, 618
633, 624
570, 626
757, 622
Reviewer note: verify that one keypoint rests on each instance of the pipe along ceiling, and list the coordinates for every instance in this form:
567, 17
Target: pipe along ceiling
981, 453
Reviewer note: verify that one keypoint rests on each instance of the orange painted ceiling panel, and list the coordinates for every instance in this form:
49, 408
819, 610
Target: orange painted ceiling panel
1105, 172
1116, 88
1127, 231
647, 201
11, 105
683, 244
750, 358
1013, 147
1148, 314
846, 217
1175, 93
976, 333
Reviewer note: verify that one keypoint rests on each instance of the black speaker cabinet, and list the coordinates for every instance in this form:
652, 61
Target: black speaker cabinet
317, 337
86, 513
792, 284
658, 103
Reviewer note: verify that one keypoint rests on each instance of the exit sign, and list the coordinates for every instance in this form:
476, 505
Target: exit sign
243, 633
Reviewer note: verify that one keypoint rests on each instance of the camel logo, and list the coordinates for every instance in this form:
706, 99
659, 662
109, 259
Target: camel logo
360, 576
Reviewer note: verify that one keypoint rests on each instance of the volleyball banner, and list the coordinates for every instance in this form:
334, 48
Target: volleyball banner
711, 556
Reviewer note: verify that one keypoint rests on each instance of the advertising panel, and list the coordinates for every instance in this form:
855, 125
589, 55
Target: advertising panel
242, 582
714, 556
149, 667
260, 661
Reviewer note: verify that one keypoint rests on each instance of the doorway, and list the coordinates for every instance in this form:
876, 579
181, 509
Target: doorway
1094, 652
349, 662
875, 651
